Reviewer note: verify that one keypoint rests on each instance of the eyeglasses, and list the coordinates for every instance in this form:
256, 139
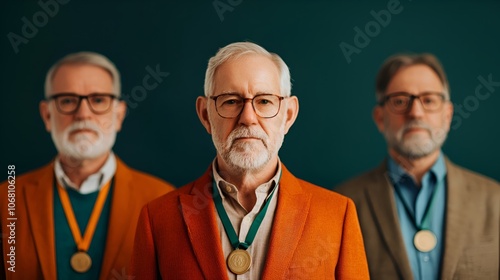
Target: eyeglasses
69, 103
402, 102
230, 105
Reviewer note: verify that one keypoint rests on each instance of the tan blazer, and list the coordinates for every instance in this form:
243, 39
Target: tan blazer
472, 229
315, 235
34, 232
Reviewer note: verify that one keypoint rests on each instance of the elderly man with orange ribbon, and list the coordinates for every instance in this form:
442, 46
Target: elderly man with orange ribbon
75, 218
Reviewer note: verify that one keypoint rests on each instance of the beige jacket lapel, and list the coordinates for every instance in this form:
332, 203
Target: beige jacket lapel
458, 210
383, 206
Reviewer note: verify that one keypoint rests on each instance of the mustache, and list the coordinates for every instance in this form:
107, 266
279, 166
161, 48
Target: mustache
84, 125
246, 132
416, 124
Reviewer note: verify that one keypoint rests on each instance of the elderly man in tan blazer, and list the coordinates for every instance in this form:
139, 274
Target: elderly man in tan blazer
422, 216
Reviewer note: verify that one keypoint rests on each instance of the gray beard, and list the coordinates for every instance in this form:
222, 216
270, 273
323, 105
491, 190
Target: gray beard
417, 146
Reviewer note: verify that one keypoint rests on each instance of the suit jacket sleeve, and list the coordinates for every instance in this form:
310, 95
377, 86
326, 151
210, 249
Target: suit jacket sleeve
352, 258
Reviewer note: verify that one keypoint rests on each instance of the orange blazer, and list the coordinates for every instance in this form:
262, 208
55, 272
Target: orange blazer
34, 228
315, 235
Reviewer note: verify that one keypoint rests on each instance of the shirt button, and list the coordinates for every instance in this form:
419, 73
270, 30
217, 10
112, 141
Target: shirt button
229, 189
426, 258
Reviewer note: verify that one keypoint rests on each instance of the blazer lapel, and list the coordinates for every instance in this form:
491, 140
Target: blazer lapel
39, 199
383, 205
289, 221
198, 211
118, 226
458, 210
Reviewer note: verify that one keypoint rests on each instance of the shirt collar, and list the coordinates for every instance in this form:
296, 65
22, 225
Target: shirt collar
398, 173
94, 182
226, 188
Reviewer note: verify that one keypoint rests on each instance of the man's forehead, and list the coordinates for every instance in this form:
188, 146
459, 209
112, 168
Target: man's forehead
250, 61
80, 68
255, 69
81, 78
415, 78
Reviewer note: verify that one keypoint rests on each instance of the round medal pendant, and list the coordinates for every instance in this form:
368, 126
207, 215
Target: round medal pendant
239, 261
81, 262
425, 240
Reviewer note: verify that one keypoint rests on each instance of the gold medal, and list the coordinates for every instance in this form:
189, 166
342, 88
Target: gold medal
425, 240
239, 261
81, 262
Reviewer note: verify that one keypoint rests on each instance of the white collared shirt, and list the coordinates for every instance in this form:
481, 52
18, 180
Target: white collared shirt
94, 182
242, 219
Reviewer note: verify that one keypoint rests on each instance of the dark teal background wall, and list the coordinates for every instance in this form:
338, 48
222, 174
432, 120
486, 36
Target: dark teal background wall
334, 137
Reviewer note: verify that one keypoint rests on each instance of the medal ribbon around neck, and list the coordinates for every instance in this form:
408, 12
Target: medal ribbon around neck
424, 240
424, 225
83, 243
228, 227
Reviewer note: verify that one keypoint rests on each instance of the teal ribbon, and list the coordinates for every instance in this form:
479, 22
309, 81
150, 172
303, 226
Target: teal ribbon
228, 227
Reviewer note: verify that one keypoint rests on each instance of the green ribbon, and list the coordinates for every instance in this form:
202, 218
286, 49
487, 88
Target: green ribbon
425, 219
228, 227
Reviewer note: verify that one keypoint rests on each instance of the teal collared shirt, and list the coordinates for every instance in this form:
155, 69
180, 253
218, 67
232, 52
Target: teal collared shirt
425, 266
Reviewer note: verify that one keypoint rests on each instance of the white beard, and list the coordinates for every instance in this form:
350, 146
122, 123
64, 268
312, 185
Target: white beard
247, 155
83, 146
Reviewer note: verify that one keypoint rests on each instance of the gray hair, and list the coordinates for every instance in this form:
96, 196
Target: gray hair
394, 63
238, 49
91, 58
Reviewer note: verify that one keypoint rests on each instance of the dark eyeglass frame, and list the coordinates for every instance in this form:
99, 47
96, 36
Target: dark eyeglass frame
412, 98
245, 100
80, 98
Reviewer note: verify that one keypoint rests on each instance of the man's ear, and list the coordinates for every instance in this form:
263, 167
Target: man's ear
292, 111
45, 114
121, 112
202, 111
378, 118
448, 112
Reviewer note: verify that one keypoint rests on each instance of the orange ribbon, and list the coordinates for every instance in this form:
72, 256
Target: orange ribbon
83, 243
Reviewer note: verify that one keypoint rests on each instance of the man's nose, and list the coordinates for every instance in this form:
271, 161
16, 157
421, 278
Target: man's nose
84, 111
248, 116
416, 109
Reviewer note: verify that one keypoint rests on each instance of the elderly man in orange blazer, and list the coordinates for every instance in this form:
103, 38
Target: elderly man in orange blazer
248, 217
75, 218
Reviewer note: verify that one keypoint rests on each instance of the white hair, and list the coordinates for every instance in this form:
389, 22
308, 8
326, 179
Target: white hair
91, 58
238, 49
